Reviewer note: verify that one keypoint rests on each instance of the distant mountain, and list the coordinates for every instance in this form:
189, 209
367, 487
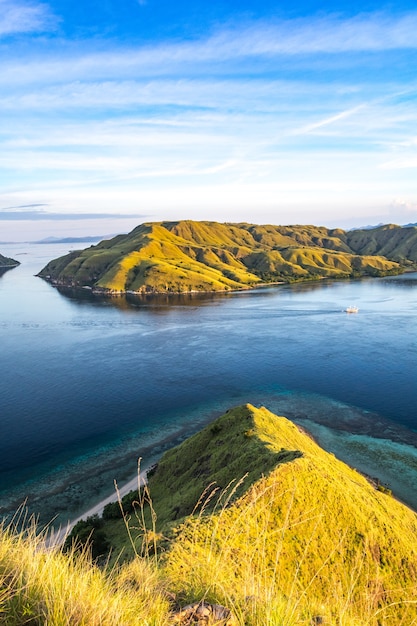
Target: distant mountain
368, 226
188, 256
70, 239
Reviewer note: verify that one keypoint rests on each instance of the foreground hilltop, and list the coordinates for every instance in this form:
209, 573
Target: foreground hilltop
252, 514
189, 256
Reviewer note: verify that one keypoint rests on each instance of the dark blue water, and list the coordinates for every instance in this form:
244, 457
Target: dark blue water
88, 385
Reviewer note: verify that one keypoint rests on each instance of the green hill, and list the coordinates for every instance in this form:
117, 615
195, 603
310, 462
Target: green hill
312, 531
270, 524
188, 256
6, 262
393, 242
234, 447
266, 523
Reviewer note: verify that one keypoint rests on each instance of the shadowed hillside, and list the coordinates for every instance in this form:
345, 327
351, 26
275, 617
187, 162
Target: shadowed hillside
393, 242
5, 262
188, 256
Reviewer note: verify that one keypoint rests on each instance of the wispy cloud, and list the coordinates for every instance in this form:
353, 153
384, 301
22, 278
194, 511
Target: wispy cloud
17, 17
282, 111
329, 120
22, 207
23, 212
331, 34
400, 164
209, 96
296, 38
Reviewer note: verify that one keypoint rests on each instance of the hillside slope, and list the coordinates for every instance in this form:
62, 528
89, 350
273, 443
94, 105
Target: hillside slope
7, 262
313, 533
189, 256
303, 540
393, 242
263, 512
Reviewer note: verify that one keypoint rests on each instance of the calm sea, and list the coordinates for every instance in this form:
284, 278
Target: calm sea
88, 385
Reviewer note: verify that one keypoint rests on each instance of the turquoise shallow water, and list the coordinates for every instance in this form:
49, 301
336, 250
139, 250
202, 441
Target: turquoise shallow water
89, 385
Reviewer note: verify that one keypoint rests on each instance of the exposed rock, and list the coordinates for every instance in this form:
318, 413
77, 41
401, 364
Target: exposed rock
204, 614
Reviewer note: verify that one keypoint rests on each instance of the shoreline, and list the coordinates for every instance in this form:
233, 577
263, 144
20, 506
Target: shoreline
110, 293
117, 293
56, 537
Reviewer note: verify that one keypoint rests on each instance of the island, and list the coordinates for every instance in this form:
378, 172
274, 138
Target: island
189, 256
6, 264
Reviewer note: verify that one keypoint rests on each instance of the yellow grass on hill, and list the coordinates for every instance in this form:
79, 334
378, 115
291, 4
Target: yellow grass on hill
311, 538
308, 540
188, 256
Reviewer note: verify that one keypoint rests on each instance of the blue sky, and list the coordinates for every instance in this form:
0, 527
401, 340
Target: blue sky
118, 112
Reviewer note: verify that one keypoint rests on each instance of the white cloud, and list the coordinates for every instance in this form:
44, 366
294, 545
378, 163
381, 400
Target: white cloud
23, 17
404, 210
245, 119
331, 34
400, 164
373, 32
329, 120
235, 95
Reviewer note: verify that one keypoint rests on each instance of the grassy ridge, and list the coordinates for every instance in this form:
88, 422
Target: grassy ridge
313, 535
189, 256
302, 540
398, 244
233, 447
228, 451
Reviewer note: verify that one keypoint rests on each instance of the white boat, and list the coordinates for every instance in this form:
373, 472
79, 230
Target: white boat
352, 309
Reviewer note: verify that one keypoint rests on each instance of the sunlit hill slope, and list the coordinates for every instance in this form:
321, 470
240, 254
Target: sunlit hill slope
271, 525
312, 531
189, 256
